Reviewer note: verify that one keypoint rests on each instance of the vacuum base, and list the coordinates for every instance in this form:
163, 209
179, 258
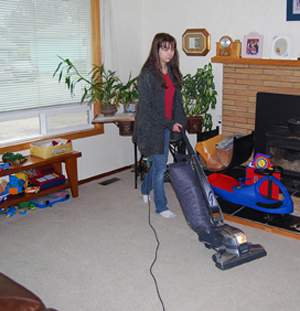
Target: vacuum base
225, 260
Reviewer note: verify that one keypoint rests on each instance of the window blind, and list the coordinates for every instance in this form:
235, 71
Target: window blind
32, 35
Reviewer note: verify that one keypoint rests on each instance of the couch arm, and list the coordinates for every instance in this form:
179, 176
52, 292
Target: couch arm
15, 297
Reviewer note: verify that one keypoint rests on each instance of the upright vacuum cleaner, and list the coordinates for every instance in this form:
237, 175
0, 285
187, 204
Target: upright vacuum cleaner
204, 215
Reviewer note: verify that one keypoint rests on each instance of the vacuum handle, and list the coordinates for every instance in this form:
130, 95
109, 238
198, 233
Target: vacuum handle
187, 143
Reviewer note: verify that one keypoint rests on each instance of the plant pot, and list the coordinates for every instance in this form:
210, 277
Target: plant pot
108, 110
194, 125
125, 128
130, 107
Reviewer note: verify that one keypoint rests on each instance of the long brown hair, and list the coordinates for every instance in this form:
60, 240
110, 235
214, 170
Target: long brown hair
163, 40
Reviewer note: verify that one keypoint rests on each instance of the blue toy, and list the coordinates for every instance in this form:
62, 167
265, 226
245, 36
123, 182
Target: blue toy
51, 199
11, 211
15, 185
236, 192
4, 166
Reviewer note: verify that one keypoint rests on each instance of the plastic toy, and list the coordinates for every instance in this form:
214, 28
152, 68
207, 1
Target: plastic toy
13, 158
51, 199
261, 189
27, 205
15, 185
24, 207
260, 166
4, 166
23, 212
236, 192
2, 211
32, 189
11, 211
261, 161
3, 184
4, 192
22, 176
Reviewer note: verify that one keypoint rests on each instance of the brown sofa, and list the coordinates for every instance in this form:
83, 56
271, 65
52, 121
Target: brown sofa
15, 297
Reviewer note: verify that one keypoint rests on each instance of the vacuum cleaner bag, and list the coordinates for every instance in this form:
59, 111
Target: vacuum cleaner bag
191, 199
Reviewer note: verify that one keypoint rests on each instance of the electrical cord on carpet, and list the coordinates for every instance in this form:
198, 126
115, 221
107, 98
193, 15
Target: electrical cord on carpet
155, 256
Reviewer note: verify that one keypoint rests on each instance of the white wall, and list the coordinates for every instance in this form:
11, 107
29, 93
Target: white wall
121, 36
235, 18
133, 24
103, 153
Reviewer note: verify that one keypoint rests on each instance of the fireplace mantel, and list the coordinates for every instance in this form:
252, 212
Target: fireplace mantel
255, 61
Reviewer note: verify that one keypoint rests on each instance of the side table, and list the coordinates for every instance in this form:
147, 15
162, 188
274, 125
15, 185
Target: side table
68, 159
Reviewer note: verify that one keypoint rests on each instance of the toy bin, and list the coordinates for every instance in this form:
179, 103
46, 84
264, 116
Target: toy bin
50, 148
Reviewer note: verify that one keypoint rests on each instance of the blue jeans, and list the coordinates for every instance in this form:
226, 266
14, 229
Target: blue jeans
154, 179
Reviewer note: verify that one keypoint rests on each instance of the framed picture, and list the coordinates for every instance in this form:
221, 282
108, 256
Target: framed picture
293, 10
252, 45
280, 47
196, 42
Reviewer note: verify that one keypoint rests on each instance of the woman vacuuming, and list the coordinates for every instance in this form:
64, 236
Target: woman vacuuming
160, 112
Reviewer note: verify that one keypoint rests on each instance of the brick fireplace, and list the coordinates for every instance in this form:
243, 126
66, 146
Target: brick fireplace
241, 82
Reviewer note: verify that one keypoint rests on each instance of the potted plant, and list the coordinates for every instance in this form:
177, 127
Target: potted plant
199, 96
128, 94
99, 85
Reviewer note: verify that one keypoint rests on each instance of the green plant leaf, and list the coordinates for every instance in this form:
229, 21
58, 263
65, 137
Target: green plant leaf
98, 84
57, 69
199, 94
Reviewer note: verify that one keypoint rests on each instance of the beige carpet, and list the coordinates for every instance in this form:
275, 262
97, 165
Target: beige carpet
93, 253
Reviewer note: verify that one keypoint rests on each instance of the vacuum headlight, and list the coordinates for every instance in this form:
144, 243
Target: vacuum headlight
241, 238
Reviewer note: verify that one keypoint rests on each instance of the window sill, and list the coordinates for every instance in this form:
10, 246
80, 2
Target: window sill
98, 129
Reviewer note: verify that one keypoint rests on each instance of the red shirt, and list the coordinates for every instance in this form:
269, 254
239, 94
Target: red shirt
169, 96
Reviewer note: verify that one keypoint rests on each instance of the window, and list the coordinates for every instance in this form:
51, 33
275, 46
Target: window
32, 34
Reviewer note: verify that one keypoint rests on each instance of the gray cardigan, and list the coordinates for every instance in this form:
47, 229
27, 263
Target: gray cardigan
150, 118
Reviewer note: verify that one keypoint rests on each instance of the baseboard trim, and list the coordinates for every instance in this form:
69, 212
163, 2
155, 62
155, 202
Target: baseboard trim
86, 180
264, 227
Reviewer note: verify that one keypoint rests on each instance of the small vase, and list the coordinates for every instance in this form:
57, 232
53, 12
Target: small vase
125, 128
130, 108
108, 110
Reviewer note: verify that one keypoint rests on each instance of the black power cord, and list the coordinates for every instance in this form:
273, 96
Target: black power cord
155, 257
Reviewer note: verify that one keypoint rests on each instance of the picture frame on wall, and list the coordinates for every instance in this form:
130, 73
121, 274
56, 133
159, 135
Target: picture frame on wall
252, 46
293, 10
196, 42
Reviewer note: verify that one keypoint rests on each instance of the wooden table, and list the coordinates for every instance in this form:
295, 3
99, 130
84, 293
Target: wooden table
70, 162
118, 117
124, 121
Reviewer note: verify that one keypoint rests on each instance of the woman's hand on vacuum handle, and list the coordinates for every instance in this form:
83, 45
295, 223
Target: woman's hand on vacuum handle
177, 127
